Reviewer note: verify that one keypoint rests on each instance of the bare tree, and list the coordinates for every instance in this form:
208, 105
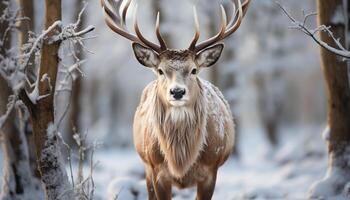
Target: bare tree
18, 179
333, 19
77, 86
338, 48
38, 96
333, 25
42, 111
269, 103
26, 31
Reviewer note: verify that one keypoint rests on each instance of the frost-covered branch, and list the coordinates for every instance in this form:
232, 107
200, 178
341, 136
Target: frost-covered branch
13, 66
339, 50
36, 46
10, 107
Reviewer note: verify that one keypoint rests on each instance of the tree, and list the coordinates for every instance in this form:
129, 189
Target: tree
42, 111
77, 86
38, 96
18, 179
338, 95
26, 29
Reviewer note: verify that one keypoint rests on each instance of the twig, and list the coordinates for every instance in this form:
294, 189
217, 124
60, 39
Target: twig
340, 50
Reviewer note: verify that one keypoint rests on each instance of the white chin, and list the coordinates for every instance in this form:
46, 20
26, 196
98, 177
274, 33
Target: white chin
176, 103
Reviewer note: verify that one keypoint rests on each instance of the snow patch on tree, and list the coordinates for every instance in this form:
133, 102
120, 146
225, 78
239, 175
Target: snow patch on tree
338, 16
331, 187
55, 176
326, 134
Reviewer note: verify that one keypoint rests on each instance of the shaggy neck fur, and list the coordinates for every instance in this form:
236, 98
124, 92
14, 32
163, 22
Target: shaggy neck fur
181, 133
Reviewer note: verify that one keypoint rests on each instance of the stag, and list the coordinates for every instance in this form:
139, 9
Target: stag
183, 127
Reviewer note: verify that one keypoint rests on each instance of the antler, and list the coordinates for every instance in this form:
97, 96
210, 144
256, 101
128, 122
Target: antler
115, 18
225, 30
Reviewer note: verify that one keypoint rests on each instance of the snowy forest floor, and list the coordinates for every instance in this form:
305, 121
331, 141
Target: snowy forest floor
282, 173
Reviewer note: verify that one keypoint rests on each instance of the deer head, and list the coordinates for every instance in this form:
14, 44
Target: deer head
176, 69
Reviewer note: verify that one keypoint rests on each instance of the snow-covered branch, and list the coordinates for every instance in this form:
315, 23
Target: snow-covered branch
36, 45
13, 66
10, 107
69, 32
339, 50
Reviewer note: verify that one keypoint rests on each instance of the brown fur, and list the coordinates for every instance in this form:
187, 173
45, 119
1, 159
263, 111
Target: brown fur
183, 146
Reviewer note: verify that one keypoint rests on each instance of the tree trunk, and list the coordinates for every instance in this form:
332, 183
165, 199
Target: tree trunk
48, 154
338, 96
77, 83
18, 180
347, 29
25, 27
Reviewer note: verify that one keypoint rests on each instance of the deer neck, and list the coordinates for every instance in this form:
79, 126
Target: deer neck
181, 134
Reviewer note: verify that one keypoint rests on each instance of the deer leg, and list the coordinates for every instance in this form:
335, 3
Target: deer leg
149, 183
162, 187
150, 189
205, 188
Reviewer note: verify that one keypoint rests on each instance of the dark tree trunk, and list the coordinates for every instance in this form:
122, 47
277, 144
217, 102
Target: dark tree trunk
51, 168
74, 122
338, 95
18, 180
346, 4
25, 27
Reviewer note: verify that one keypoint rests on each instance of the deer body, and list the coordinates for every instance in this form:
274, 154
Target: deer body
187, 148
183, 127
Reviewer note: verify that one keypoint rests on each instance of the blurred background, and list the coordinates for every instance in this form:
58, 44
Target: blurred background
269, 74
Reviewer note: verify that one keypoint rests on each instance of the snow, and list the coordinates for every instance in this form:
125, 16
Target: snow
338, 16
55, 177
326, 133
214, 98
115, 80
261, 174
328, 188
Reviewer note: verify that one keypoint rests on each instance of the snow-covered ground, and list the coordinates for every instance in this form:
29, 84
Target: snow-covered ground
285, 173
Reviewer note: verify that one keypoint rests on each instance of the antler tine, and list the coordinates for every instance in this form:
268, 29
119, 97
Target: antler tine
197, 33
106, 8
115, 19
125, 11
142, 38
234, 16
162, 43
242, 9
112, 19
226, 30
218, 36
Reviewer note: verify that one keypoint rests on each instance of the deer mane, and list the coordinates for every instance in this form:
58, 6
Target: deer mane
181, 132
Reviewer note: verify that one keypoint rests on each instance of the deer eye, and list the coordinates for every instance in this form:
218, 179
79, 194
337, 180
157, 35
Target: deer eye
194, 71
160, 72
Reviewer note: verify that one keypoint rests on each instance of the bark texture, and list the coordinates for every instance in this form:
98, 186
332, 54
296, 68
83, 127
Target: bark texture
18, 181
51, 167
338, 96
77, 85
25, 28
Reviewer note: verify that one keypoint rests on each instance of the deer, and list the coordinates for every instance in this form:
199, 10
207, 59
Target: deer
183, 128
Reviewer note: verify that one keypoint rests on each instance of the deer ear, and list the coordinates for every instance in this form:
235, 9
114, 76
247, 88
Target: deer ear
209, 56
146, 56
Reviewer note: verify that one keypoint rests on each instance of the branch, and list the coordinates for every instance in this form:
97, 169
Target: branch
25, 99
38, 41
10, 107
68, 34
339, 50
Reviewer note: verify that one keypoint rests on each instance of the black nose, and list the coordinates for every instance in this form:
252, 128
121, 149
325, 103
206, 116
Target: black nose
177, 93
